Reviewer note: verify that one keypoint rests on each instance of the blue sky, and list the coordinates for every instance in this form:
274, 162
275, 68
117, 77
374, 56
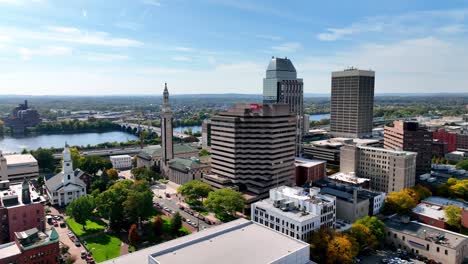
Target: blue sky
220, 46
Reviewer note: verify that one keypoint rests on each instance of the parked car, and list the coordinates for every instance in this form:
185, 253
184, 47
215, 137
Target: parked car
56, 217
56, 224
84, 254
77, 243
62, 224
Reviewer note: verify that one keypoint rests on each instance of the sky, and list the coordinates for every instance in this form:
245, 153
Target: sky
133, 47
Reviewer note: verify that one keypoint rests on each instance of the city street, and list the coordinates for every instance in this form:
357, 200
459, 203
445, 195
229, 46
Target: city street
160, 191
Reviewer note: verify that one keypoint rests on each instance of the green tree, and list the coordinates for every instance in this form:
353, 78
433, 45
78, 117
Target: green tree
139, 202
453, 214
204, 152
112, 174
319, 241
158, 226
422, 192
194, 190
401, 202
81, 209
176, 223
92, 164
40, 181
143, 173
110, 202
364, 237
225, 201
341, 250
133, 237
376, 227
462, 165
45, 159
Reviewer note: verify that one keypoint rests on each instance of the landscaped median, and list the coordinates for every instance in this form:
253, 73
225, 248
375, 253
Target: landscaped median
103, 246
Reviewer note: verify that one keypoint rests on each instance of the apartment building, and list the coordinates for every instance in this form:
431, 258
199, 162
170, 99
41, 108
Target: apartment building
352, 103
388, 170
253, 147
294, 212
410, 136
308, 170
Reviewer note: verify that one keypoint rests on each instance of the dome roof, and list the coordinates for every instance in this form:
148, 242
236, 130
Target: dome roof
280, 64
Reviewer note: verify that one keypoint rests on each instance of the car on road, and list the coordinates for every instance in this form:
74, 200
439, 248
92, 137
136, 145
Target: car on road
77, 243
83, 254
168, 195
63, 225
56, 217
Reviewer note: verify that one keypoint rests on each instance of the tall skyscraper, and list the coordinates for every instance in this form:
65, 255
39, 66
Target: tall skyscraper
166, 132
410, 136
281, 85
252, 147
352, 103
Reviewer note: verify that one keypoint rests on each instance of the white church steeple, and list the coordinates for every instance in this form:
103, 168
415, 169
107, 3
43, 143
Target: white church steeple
67, 166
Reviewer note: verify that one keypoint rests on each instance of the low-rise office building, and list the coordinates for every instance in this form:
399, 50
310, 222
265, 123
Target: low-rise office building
239, 241
329, 149
121, 162
183, 170
152, 155
21, 208
388, 170
308, 170
434, 243
439, 203
32, 246
352, 202
294, 212
349, 179
16, 167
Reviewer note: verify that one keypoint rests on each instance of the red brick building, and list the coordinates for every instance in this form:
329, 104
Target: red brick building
443, 136
32, 246
308, 170
410, 136
21, 208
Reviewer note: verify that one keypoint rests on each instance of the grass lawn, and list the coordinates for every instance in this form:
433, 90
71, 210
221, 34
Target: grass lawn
104, 247
92, 226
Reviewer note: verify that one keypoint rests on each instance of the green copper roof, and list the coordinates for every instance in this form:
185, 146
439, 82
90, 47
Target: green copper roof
156, 150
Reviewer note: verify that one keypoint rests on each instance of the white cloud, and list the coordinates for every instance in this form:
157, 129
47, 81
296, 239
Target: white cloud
71, 35
408, 24
333, 34
288, 47
181, 58
184, 49
452, 29
27, 53
414, 65
105, 57
151, 2
66, 30
269, 37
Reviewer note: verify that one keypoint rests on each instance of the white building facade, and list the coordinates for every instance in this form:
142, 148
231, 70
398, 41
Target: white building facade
120, 162
294, 212
65, 186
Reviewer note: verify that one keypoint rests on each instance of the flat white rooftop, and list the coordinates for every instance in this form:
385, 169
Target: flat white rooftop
348, 177
308, 162
15, 159
239, 241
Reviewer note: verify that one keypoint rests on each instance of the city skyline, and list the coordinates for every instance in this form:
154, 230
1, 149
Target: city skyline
83, 48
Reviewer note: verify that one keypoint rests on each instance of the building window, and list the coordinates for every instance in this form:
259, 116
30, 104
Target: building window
446, 252
438, 249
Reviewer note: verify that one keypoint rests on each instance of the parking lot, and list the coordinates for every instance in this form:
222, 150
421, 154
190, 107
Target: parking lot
65, 237
387, 256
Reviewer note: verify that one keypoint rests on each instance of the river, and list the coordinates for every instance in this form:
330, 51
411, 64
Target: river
12, 144
318, 117
17, 144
